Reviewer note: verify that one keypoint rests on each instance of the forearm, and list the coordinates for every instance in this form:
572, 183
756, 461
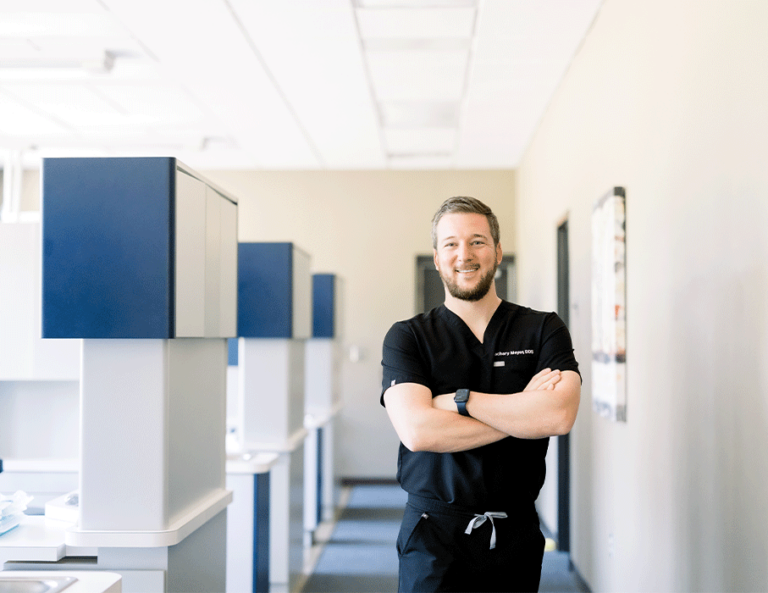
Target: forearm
534, 413
525, 415
423, 427
439, 431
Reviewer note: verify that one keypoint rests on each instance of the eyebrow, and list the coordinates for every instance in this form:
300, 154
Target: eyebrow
453, 237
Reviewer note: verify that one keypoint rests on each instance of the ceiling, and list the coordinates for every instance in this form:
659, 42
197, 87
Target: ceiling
284, 84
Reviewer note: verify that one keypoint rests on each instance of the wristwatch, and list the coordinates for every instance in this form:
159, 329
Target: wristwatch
461, 398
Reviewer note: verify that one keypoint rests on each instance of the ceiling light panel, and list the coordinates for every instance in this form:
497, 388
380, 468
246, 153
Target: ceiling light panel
420, 162
424, 23
418, 76
416, 44
415, 3
420, 115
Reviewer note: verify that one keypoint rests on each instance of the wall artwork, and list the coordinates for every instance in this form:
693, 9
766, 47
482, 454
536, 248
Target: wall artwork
609, 311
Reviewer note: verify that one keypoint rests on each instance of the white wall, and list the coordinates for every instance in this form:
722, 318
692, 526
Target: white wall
368, 227
668, 98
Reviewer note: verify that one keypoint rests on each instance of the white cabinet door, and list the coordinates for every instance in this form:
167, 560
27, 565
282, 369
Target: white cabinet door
190, 256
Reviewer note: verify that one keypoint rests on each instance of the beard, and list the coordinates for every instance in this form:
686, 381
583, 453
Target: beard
475, 293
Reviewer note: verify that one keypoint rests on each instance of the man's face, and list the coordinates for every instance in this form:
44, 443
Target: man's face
466, 257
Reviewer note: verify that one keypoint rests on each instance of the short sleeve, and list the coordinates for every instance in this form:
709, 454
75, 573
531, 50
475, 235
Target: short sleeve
556, 351
401, 360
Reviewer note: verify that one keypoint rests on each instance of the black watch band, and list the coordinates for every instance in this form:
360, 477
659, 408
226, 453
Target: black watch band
461, 398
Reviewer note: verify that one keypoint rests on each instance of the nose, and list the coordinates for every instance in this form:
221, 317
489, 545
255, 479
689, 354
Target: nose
465, 253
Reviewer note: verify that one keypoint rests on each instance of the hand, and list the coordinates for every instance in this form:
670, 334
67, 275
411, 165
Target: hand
543, 380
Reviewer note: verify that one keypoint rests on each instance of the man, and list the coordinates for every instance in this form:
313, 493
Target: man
474, 388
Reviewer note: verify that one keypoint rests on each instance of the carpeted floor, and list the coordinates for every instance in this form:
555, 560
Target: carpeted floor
360, 555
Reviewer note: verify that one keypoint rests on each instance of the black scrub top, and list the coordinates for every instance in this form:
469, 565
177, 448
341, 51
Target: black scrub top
438, 350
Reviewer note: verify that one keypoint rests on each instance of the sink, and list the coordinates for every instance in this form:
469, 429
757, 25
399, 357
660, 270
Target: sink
20, 584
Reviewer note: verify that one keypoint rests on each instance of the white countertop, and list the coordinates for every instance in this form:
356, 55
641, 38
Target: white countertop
41, 465
35, 539
87, 581
289, 445
251, 462
38, 538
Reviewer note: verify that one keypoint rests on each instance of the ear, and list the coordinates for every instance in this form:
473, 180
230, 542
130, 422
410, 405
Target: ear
434, 257
499, 253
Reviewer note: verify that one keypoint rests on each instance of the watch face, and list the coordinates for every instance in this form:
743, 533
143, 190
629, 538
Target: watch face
462, 395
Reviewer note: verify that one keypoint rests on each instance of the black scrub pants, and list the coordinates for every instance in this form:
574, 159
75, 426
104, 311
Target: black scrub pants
437, 555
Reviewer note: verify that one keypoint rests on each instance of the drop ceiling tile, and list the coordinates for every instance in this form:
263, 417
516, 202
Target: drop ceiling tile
537, 18
211, 56
18, 120
325, 82
426, 141
51, 6
162, 102
47, 24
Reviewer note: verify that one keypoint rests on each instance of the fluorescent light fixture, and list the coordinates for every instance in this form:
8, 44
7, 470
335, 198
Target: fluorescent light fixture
418, 76
97, 63
403, 23
413, 44
415, 3
420, 114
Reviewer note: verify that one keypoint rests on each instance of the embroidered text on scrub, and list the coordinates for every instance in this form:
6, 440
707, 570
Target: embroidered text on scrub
478, 520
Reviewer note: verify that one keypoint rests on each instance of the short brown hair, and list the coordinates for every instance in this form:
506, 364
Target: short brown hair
466, 205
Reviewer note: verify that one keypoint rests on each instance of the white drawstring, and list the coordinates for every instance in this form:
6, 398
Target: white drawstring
478, 520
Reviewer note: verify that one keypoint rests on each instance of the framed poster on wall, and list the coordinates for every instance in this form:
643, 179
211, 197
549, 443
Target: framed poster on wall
609, 310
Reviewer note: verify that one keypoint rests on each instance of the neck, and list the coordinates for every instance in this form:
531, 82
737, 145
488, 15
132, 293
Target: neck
476, 314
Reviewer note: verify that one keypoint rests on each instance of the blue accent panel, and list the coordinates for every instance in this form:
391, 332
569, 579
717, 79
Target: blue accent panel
265, 290
261, 533
108, 247
323, 309
232, 352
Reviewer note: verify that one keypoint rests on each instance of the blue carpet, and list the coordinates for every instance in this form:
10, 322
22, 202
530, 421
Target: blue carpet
360, 556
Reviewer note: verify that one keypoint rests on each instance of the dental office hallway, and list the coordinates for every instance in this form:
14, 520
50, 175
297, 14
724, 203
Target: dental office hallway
357, 553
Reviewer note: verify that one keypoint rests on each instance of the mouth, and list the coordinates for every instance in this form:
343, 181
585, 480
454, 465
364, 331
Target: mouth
468, 270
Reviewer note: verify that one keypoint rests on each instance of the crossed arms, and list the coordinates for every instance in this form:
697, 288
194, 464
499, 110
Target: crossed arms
546, 407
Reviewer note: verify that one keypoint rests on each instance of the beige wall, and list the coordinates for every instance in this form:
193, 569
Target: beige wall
670, 100
30, 190
368, 227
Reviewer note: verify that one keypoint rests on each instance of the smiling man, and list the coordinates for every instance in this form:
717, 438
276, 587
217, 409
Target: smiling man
474, 389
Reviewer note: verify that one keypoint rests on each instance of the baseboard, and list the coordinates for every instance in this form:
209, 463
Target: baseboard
583, 585
351, 481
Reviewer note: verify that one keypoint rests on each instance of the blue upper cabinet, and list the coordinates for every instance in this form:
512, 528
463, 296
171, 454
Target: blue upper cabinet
136, 248
326, 306
274, 291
